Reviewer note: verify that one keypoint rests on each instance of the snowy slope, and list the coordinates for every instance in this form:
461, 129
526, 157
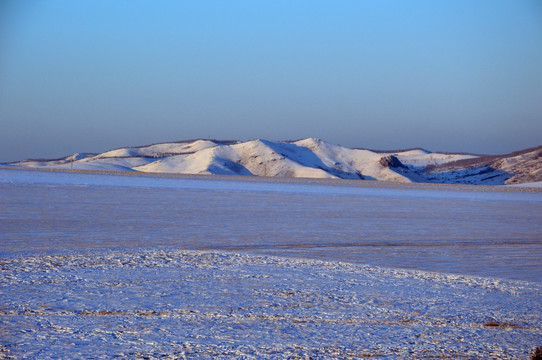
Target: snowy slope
527, 167
160, 150
519, 167
419, 157
308, 158
312, 158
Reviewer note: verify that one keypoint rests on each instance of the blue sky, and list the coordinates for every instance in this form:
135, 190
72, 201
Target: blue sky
88, 76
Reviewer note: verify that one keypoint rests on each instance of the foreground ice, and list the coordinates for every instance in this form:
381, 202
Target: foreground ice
452, 229
171, 304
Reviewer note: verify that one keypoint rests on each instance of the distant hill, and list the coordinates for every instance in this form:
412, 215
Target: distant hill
309, 158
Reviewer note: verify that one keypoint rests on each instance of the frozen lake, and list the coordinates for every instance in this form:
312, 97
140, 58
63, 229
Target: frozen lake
175, 267
445, 229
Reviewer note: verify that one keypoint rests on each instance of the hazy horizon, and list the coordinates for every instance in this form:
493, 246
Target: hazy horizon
90, 76
247, 140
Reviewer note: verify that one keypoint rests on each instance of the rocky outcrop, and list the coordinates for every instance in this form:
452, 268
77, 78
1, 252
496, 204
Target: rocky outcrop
391, 161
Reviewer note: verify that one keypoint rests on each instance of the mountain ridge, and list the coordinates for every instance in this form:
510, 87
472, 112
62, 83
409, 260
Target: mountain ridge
309, 158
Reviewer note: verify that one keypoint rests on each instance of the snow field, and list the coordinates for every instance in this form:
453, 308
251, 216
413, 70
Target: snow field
171, 304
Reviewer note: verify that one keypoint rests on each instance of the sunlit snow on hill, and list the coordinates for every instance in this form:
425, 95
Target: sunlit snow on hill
308, 158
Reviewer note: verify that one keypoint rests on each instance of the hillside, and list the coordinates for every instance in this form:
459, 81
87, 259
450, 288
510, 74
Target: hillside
308, 158
523, 166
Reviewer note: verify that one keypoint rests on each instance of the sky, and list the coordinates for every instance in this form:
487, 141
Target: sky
444, 75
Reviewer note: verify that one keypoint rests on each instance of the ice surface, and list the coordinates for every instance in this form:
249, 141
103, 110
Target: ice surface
473, 232
536, 184
135, 266
207, 305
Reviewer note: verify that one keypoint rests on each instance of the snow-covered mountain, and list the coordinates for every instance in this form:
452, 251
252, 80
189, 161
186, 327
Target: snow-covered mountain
309, 158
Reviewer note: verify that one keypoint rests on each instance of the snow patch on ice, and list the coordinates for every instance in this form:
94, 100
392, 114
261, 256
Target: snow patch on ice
196, 304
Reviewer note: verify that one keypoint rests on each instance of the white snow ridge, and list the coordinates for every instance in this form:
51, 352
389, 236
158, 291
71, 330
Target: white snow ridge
308, 158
